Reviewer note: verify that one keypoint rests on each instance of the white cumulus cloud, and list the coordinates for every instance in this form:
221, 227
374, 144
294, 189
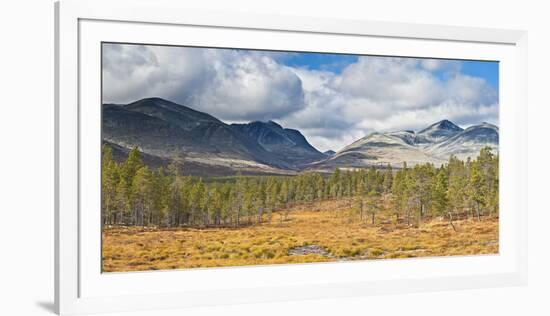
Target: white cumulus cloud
230, 84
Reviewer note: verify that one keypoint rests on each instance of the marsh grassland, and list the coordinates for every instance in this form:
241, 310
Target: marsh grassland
321, 231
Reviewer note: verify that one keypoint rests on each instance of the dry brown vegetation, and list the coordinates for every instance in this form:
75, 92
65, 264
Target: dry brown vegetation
325, 228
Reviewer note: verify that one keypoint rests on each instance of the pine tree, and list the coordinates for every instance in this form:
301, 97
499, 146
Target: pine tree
371, 180
361, 191
197, 197
476, 188
483, 181
456, 184
489, 168
259, 202
215, 204
388, 179
123, 204
335, 183
423, 187
493, 196
132, 165
239, 191
410, 193
319, 186
141, 195
157, 191
109, 181
174, 200
272, 193
230, 200
373, 204
440, 192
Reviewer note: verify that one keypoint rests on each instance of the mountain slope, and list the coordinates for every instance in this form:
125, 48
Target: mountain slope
434, 144
468, 143
286, 144
377, 150
165, 129
437, 132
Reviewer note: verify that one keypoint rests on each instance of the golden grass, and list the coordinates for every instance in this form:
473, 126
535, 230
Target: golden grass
137, 249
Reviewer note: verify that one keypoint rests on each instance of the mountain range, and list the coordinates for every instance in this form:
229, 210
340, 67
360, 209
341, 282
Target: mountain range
164, 131
434, 144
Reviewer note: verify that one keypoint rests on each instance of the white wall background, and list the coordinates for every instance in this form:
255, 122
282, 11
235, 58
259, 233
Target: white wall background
26, 168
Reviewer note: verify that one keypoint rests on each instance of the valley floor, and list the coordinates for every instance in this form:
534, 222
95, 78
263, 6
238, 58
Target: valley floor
317, 232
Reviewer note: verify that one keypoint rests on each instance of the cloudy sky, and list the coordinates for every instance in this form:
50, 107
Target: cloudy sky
332, 99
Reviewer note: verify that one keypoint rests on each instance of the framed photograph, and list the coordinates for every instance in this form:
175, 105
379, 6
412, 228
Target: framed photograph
208, 158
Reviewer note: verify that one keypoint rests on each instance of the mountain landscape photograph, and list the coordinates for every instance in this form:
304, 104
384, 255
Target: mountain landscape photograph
216, 157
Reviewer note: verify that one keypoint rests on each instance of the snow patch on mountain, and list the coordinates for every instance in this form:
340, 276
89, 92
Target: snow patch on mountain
434, 144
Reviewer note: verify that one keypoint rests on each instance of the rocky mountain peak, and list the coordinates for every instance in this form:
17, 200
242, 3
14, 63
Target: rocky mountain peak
442, 125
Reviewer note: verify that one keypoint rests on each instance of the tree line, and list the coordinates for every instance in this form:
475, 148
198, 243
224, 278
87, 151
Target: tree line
134, 194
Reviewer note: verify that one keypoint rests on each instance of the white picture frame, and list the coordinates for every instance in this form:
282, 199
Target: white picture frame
81, 26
